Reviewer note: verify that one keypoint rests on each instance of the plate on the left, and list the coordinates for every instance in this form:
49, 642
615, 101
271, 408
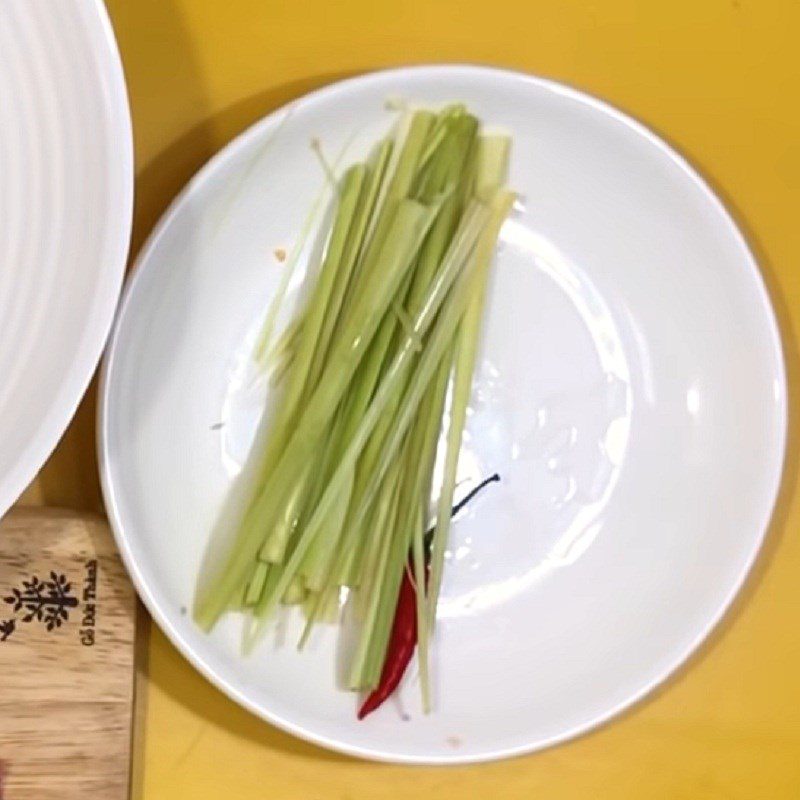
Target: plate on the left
66, 197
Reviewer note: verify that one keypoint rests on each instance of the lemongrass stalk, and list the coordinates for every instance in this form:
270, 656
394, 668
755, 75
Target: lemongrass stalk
315, 311
462, 385
286, 341
382, 518
431, 410
442, 333
391, 529
280, 369
472, 218
402, 169
295, 593
290, 402
377, 355
409, 521
254, 625
406, 323
325, 607
265, 336
381, 599
492, 160
412, 221
318, 567
376, 172
448, 165
404, 239
256, 585
448, 177
430, 258
324, 465
430, 438
440, 339
420, 453
274, 546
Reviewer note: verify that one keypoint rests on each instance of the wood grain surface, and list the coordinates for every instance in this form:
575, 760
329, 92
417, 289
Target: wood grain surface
67, 612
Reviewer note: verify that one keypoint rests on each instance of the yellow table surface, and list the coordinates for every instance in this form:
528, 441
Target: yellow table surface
717, 78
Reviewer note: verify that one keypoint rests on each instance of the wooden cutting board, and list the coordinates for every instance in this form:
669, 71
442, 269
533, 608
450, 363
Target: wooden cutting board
67, 613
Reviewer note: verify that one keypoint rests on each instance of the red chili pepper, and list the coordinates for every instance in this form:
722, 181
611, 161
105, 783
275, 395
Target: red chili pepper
401, 643
403, 639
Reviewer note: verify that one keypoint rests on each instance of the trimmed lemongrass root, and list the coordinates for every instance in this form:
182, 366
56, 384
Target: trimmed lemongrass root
341, 482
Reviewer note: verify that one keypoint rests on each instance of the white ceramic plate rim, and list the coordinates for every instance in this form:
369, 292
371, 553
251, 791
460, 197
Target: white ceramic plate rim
163, 620
66, 400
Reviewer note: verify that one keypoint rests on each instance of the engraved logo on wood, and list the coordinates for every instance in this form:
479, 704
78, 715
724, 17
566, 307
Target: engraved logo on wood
50, 602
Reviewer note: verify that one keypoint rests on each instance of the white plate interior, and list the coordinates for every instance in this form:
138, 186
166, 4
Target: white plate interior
630, 393
66, 190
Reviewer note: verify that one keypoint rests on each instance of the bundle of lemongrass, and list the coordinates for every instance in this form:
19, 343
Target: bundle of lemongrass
390, 325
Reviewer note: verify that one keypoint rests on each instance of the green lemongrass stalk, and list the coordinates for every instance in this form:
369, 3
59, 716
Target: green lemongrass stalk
448, 168
295, 593
376, 172
430, 437
286, 341
420, 442
280, 369
406, 323
462, 385
440, 338
438, 344
412, 221
314, 316
383, 175
420, 454
290, 404
492, 165
438, 132
380, 515
324, 465
329, 609
431, 409
402, 169
274, 546
256, 585
400, 247
265, 336
446, 173
444, 325
381, 597
433, 251
430, 260
254, 623
318, 567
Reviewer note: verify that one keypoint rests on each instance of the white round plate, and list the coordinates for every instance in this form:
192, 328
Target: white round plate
630, 393
66, 193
